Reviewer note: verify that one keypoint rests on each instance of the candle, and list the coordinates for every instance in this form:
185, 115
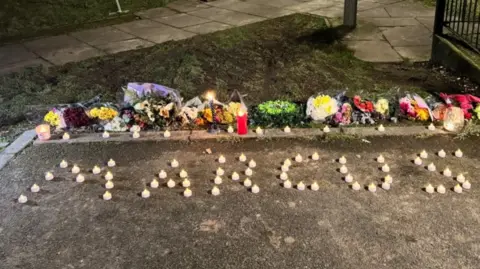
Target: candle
135, 128
348, 178
230, 129
63, 164
235, 176
314, 186
183, 174
259, 131
136, 134
22, 199
356, 186
381, 128
187, 192
65, 136
429, 188
287, 162
372, 187
342, 160
466, 185
174, 163
380, 159
105, 134
287, 184
417, 161
248, 172
35, 188
442, 154
242, 128
423, 154
386, 168
75, 169
48, 176
145, 193
283, 176
460, 178
386, 186
242, 158
388, 179
215, 191
447, 172
247, 182
80, 178
431, 167
162, 174
167, 134
343, 169
431, 127
252, 164
111, 163
255, 189
458, 153
284, 168
220, 172
441, 189
43, 132
186, 183
315, 156
298, 158
109, 185
218, 180
107, 196
170, 183
326, 129
300, 186
457, 188
287, 129
96, 170
154, 183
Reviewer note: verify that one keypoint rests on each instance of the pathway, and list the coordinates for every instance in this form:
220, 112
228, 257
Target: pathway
389, 30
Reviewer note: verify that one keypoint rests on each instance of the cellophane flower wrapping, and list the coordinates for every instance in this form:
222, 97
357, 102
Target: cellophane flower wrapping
320, 107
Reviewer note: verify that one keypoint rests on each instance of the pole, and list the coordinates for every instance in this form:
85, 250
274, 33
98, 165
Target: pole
437, 28
350, 13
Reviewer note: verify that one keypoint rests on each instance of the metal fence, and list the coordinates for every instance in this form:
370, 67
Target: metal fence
459, 19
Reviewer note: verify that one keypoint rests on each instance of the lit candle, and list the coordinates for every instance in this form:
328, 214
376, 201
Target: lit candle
154, 183
287, 184
418, 161
80, 178
343, 169
255, 188
218, 180
22, 199
380, 159
314, 186
423, 154
230, 129
242, 128
287, 129
460, 178
35, 188
215, 191
186, 183
75, 169
300, 186
287, 162
171, 183
431, 127
136, 135
447, 172
298, 158
259, 131
43, 132
105, 134
342, 160
372, 187
174, 163
235, 176
242, 158
111, 163
109, 185
326, 129
386, 168
162, 174
167, 134
431, 167
63, 164
458, 188
220, 172
65, 136
48, 176
285, 168
388, 179
441, 189
187, 192
356, 186
248, 172
145, 193
315, 156
348, 178
381, 128
283, 176
429, 188
96, 170
458, 153
183, 174
247, 182
252, 164
386, 186
221, 159
442, 154
466, 185
107, 196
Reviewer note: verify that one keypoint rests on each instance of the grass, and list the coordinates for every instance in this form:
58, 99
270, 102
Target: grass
26, 18
287, 58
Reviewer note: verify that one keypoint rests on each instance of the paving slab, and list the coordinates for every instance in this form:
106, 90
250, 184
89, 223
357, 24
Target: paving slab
19, 66
379, 12
408, 36
312, 5
366, 5
125, 45
415, 53
62, 49
156, 13
390, 22
102, 35
15, 53
409, 9
219, 3
186, 6
182, 20
374, 51
208, 27
276, 3
258, 10
153, 31
427, 22
226, 16
329, 12
365, 32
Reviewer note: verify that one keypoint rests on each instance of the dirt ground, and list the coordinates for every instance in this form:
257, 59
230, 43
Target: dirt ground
68, 225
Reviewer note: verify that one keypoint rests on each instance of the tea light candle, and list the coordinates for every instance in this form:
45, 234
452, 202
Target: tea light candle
167, 134
43, 132
183, 174
235, 176
105, 134
252, 164
285, 168
187, 192
22, 199
343, 169
136, 135
418, 161
386, 186
215, 191
75, 169
380, 159
386, 168
283, 176
447, 172
230, 129
48, 176
315, 156
300, 186
458, 153
218, 180
356, 186
458, 188
35, 188
109, 185
460, 178
154, 183
429, 188
174, 163
342, 160
242, 158
326, 129
186, 183
466, 185
381, 128
259, 131
431, 167
431, 127
171, 183
65, 136
96, 170
221, 159
255, 188
220, 172
372, 187
63, 164
348, 178
162, 174
441, 189
145, 193
287, 184
314, 186
248, 172
298, 158
287, 129
80, 178
423, 154
442, 154
107, 196
111, 163
388, 179
247, 182
287, 162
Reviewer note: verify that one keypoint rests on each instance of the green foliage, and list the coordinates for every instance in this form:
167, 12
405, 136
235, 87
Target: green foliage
277, 114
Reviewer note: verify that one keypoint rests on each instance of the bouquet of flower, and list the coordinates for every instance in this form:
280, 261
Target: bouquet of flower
321, 106
363, 110
415, 108
102, 113
75, 117
54, 117
277, 114
382, 108
222, 115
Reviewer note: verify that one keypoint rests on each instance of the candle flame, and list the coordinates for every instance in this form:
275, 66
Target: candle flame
241, 113
210, 95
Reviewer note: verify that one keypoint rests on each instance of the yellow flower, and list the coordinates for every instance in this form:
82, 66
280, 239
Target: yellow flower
382, 106
422, 114
233, 108
103, 113
227, 117
52, 118
322, 100
207, 114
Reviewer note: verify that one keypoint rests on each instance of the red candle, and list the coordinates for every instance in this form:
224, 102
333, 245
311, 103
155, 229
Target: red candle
242, 127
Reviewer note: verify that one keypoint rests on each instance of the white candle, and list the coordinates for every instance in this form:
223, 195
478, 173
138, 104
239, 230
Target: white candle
386, 168
287, 184
63, 164
186, 183
429, 188
215, 191
221, 159
418, 161
167, 134
431, 127
447, 172
259, 131
380, 159
154, 183
218, 180
442, 154
285, 168
171, 183
22, 199
457, 188
248, 172
96, 170
381, 128
287, 162
283, 176
431, 167
107, 196
183, 174
342, 160
298, 158
423, 154
441, 189
109, 185
235, 176
372, 187
220, 172
145, 193
105, 134
287, 129
388, 179
466, 185
252, 164
315, 156
458, 153
230, 129
356, 186
111, 163
255, 188
386, 186
75, 169
247, 182
326, 129
187, 192
460, 178
136, 135
300, 186
174, 163
35, 188
48, 176
162, 174
314, 186
65, 136
343, 169
80, 178
242, 158
348, 178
